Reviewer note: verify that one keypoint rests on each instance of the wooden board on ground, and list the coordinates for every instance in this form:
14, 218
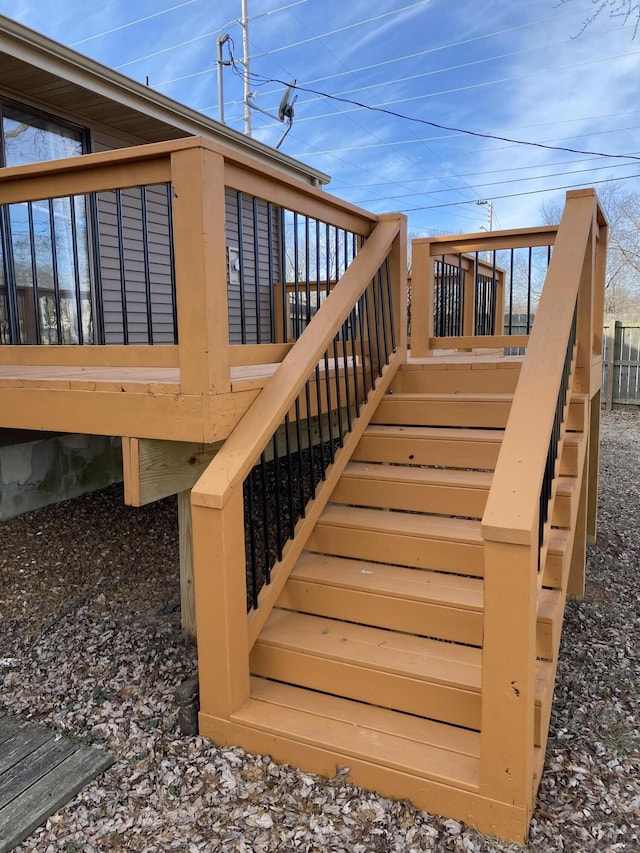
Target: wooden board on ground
39, 773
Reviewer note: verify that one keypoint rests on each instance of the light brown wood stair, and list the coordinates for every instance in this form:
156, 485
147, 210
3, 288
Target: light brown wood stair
372, 656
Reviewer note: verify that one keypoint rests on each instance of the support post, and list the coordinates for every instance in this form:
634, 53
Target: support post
185, 537
197, 176
593, 460
576, 581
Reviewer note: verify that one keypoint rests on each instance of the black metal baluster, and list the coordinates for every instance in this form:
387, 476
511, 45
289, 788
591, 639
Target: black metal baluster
55, 272
461, 309
76, 268
286, 302
277, 494
123, 268
529, 294
336, 373
384, 316
287, 442
253, 568
146, 265
376, 322
392, 324
266, 529
243, 307
351, 337
256, 261
34, 273
303, 503
307, 277
368, 316
172, 263
296, 278
363, 358
327, 386
272, 304
312, 473
320, 427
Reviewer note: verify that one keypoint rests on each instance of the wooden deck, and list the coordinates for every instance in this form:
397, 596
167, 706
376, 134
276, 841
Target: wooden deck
39, 773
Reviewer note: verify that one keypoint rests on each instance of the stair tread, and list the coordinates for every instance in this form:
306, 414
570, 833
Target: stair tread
358, 731
374, 648
411, 524
390, 580
421, 474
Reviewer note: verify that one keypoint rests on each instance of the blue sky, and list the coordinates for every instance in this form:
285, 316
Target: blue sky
510, 69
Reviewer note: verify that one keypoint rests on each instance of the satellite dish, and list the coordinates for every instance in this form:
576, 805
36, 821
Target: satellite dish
285, 110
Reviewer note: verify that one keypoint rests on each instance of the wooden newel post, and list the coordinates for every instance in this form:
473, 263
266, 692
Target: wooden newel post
508, 674
422, 296
197, 178
221, 606
398, 272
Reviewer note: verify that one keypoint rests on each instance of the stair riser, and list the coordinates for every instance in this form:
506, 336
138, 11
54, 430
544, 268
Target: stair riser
428, 498
425, 619
489, 414
383, 611
416, 552
456, 454
467, 413
412, 695
455, 381
443, 500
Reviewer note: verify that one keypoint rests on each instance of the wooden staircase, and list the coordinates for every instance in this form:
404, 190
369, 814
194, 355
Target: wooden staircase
372, 656
407, 634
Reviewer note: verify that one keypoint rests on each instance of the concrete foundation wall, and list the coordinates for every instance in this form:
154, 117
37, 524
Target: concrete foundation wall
34, 474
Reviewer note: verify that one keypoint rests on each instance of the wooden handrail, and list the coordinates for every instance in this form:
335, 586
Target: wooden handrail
511, 512
483, 241
230, 467
514, 514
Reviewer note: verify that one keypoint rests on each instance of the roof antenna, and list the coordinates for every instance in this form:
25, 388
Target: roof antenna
285, 110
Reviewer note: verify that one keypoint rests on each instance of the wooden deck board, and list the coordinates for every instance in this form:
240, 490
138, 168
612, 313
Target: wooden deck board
39, 773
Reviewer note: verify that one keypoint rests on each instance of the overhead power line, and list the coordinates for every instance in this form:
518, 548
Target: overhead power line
466, 88
509, 181
517, 195
340, 29
131, 23
451, 128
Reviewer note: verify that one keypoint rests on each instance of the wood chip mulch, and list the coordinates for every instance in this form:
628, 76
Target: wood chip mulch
90, 645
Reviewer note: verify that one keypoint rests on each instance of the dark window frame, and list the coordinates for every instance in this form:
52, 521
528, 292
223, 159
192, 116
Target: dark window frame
34, 115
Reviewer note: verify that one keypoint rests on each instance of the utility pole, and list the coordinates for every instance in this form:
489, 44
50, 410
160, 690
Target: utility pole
244, 23
489, 211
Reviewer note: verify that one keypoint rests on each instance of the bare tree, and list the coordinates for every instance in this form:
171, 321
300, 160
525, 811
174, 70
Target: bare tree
622, 208
627, 10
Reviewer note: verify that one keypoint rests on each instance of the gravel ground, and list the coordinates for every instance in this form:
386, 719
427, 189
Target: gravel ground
90, 644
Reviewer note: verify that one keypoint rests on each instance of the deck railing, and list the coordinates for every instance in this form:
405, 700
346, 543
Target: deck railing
563, 358
465, 289
176, 260
263, 492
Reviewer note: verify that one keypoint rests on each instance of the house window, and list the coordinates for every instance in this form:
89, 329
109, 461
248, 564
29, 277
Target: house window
45, 281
